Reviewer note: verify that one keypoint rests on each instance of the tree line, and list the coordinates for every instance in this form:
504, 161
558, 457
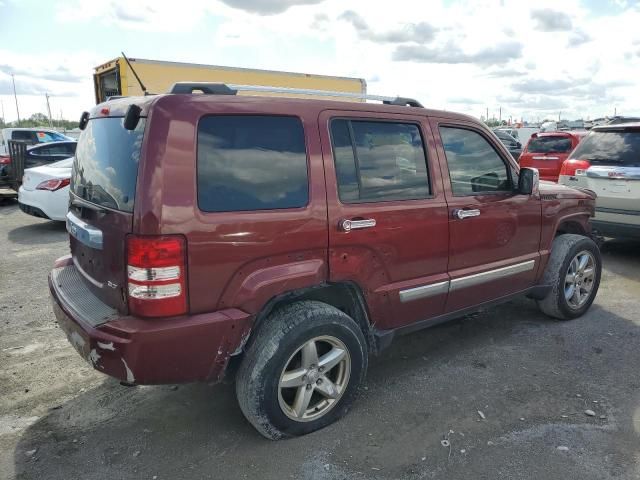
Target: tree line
40, 120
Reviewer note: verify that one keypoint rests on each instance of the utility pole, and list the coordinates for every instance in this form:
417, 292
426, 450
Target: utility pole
487, 114
500, 115
46, 95
4, 119
615, 111
16, 97
559, 113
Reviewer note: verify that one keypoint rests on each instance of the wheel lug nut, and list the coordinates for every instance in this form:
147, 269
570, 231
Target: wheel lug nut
319, 381
309, 387
321, 369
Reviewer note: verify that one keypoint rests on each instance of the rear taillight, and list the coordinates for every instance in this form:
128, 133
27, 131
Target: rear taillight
5, 160
573, 167
156, 275
53, 184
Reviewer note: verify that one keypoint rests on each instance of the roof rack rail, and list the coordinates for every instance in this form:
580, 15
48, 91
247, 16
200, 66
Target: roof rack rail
232, 89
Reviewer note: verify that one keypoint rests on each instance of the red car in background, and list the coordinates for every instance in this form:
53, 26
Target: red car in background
547, 152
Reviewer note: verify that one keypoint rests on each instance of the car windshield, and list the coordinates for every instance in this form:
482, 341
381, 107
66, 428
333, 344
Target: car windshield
620, 148
550, 145
106, 163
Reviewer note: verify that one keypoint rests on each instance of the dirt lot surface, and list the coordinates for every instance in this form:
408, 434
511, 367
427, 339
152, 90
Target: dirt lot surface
505, 388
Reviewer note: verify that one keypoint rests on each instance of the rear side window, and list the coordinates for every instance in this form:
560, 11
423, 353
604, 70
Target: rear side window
610, 148
379, 161
550, 145
474, 165
251, 163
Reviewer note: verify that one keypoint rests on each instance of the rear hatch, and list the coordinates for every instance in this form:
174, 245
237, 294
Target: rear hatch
103, 188
547, 153
614, 173
35, 176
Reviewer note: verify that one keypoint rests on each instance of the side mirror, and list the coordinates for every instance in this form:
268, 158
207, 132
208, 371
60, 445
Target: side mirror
528, 181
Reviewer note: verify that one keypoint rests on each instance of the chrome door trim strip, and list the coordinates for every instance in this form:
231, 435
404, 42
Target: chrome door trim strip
424, 291
433, 289
478, 278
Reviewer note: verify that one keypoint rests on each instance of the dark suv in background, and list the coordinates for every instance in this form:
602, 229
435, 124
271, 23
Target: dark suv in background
283, 241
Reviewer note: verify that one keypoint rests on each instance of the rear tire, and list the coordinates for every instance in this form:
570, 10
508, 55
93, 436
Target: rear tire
302, 370
573, 272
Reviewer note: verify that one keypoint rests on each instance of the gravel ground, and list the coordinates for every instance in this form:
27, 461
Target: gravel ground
532, 378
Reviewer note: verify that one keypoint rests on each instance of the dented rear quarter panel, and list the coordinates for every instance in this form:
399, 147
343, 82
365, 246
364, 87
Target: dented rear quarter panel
239, 259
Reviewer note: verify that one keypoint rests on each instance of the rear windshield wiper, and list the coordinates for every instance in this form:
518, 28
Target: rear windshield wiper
80, 202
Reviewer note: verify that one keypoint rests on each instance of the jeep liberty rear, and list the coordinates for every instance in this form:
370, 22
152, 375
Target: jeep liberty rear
282, 241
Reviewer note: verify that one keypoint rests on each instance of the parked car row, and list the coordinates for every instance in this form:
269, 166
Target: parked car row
605, 159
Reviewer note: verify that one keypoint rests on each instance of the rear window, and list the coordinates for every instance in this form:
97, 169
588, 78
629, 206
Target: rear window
550, 145
251, 163
106, 164
618, 148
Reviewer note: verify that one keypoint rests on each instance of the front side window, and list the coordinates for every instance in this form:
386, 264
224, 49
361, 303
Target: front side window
379, 161
474, 165
251, 163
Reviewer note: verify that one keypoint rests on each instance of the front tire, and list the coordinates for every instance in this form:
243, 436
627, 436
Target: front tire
573, 272
302, 370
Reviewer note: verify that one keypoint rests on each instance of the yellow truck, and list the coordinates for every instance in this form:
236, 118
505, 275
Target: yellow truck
118, 78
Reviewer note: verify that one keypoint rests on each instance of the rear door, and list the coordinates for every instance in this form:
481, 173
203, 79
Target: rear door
103, 188
388, 226
494, 233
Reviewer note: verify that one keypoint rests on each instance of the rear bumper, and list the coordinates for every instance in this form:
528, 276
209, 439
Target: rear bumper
146, 351
44, 204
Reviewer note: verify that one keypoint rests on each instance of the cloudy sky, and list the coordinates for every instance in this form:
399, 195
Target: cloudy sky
532, 59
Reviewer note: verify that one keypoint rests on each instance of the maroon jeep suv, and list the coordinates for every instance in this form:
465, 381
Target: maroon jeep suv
283, 241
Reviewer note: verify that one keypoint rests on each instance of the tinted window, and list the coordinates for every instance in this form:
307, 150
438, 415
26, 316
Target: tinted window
379, 161
616, 148
23, 135
251, 163
61, 148
40, 151
550, 145
506, 139
106, 164
474, 166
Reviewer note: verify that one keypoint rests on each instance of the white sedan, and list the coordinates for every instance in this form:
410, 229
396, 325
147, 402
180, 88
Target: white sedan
45, 190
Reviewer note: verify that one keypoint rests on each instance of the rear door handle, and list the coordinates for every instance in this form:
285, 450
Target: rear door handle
461, 214
347, 225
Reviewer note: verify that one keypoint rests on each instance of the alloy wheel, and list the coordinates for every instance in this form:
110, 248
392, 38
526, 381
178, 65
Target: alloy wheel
314, 379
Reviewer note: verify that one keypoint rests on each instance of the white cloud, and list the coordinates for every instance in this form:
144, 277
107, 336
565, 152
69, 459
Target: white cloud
464, 55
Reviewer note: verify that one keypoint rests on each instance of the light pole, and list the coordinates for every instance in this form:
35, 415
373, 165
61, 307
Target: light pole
16, 97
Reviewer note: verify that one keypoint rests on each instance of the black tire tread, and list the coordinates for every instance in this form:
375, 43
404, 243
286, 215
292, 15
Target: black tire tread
264, 345
561, 248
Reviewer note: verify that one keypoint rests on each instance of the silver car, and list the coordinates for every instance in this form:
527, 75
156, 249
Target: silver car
607, 161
